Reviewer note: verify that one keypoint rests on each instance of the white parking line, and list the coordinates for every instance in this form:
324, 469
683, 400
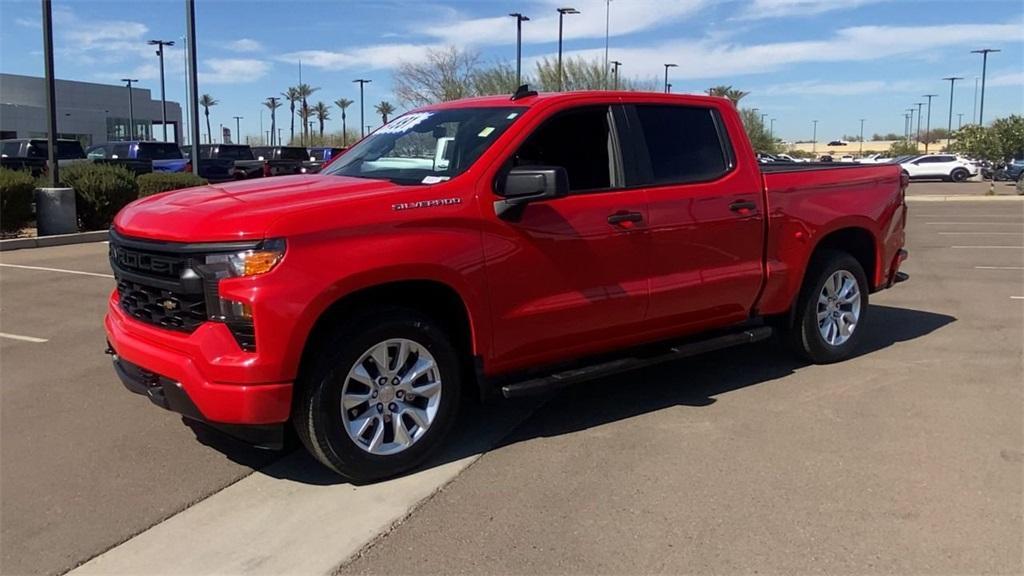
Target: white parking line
975, 223
79, 272
981, 233
1016, 297
999, 267
32, 339
990, 247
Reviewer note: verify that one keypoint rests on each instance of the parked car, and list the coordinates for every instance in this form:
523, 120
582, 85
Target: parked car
788, 158
939, 166
164, 156
32, 154
320, 156
282, 160
838, 143
1015, 170
499, 246
227, 161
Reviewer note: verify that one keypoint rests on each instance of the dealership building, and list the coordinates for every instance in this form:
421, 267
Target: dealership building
89, 112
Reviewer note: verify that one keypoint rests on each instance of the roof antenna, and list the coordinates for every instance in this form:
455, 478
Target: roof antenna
523, 92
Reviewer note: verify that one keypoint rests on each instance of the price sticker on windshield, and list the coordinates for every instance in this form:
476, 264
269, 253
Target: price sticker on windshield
404, 124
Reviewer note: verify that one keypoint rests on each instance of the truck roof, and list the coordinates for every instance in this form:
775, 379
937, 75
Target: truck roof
503, 100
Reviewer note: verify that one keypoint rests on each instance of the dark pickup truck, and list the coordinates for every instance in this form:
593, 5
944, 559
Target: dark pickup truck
226, 161
320, 156
32, 154
282, 160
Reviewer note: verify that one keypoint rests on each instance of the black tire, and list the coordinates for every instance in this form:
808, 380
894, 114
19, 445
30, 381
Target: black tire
959, 175
316, 408
802, 333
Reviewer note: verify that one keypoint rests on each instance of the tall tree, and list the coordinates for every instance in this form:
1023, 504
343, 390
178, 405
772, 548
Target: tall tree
207, 102
292, 96
322, 112
273, 105
444, 74
305, 91
728, 92
343, 104
305, 115
385, 109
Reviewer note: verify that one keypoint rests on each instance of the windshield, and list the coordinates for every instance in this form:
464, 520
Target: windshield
426, 147
160, 151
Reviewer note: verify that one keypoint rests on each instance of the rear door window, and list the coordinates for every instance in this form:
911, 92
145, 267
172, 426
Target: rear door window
684, 144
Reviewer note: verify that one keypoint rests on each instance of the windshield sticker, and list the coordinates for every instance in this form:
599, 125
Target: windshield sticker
404, 124
434, 179
486, 132
426, 204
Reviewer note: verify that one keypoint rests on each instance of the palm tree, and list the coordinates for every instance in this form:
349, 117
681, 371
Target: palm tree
322, 112
728, 92
343, 103
292, 96
305, 91
385, 109
274, 105
206, 101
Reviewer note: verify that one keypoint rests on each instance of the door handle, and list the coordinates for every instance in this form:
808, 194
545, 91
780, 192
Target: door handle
741, 205
623, 216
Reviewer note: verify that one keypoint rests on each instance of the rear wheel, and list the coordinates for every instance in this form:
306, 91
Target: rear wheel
381, 395
828, 323
959, 175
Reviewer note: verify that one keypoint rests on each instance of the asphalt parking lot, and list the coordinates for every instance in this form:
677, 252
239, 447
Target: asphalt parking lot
908, 458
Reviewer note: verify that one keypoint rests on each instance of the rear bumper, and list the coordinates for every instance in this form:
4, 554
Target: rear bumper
174, 371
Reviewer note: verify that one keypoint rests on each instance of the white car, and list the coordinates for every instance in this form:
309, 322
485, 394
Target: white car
940, 166
788, 158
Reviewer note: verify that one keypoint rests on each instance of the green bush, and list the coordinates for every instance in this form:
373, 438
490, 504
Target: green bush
157, 182
101, 190
16, 189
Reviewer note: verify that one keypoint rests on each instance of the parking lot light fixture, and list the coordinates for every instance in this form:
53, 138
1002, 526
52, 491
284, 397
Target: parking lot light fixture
520, 18
238, 128
163, 94
949, 127
814, 138
362, 111
984, 66
131, 107
928, 122
667, 66
917, 142
861, 136
561, 14
771, 129
615, 72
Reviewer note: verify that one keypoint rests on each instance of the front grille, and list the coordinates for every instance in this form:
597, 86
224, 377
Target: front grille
158, 285
166, 308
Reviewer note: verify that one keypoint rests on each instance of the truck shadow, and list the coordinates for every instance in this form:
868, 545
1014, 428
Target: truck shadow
696, 382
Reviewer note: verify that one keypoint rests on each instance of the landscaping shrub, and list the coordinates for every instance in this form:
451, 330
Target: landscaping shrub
16, 189
157, 182
100, 191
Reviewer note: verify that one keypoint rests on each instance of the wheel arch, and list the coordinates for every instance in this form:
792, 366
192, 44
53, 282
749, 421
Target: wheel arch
856, 241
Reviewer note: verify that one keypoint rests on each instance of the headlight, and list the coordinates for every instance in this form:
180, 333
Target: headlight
247, 263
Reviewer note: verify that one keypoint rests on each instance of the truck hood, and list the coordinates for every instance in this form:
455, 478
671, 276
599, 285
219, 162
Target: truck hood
241, 210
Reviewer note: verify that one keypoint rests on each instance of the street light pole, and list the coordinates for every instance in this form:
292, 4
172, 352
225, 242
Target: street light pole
607, 28
561, 13
667, 66
615, 72
928, 125
238, 129
908, 124
131, 107
949, 128
959, 120
519, 46
984, 65
362, 117
163, 94
861, 137
771, 129
51, 96
917, 141
814, 138
193, 97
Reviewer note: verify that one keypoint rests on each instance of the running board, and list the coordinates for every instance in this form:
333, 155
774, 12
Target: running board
673, 352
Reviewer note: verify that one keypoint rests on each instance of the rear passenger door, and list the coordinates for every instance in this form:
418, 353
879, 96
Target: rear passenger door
706, 217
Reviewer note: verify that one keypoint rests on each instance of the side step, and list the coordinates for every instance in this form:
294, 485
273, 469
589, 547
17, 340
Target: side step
673, 352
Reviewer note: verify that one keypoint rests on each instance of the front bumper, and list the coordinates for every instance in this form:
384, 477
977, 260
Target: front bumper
179, 372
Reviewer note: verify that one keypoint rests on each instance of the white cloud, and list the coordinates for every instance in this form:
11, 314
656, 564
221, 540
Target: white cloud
627, 17
1006, 79
244, 45
28, 23
381, 56
761, 9
233, 71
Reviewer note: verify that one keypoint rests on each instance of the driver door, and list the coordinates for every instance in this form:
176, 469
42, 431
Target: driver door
567, 277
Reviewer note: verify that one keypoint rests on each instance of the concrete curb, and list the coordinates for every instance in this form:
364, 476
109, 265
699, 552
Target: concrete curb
55, 240
963, 198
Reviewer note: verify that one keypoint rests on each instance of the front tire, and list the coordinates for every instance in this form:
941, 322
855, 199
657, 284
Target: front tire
381, 395
828, 323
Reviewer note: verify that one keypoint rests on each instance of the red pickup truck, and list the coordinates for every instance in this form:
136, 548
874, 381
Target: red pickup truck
487, 247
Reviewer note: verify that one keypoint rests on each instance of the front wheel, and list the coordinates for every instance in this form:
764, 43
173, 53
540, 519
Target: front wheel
828, 323
380, 397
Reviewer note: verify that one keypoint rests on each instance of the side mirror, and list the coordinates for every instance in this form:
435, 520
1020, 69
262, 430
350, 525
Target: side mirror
526, 184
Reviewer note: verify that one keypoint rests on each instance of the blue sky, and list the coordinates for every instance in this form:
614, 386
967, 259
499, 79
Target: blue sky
831, 60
